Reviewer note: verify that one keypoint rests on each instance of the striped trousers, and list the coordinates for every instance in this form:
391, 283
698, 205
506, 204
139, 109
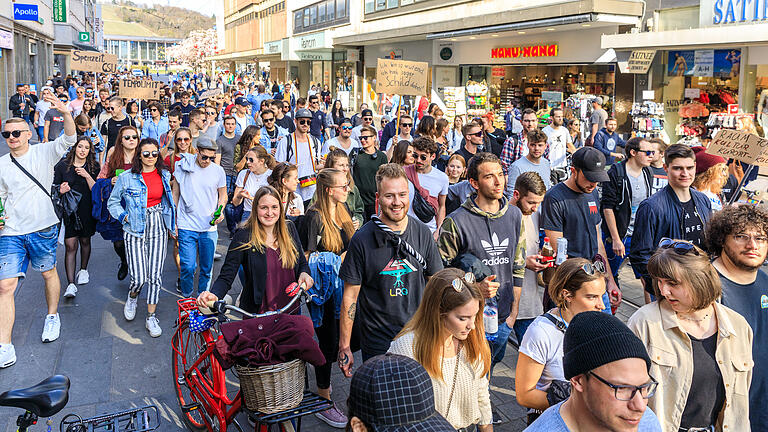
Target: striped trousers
146, 255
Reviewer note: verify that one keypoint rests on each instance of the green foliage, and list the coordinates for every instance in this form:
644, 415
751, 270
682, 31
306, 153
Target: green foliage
164, 21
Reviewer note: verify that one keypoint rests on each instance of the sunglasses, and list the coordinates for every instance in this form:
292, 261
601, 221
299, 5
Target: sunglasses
406, 124
108, 108
304, 122
268, 119
367, 118
459, 283
681, 247
421, 156
648, 152
183, 139
477, 134
346, 128
592, 268
365, 137
16, 133
152, 153
211, 113
154, 109
207, 158
130, 137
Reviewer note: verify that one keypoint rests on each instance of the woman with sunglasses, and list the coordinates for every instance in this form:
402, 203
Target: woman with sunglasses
250, 137
701, 351
447, 337
134, 113
577, 286
250, 180
339, 160
285, 179
182, 143
157, 124
143, 202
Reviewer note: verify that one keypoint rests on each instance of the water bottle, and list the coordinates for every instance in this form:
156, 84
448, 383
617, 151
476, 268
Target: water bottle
562, 251
491, 318
2, 214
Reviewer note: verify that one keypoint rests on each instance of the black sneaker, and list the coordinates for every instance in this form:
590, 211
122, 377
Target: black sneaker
178, 286
122, 272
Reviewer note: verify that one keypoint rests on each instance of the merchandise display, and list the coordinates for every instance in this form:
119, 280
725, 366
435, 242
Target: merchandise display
455, 102
648, 119
477, 98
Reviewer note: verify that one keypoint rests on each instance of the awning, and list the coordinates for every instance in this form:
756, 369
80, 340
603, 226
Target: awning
241, 55
739, 35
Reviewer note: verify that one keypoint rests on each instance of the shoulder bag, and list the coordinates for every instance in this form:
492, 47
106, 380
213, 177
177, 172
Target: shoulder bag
423, 206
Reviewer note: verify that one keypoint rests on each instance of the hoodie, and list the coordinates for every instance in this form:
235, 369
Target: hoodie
607, 142
497, 239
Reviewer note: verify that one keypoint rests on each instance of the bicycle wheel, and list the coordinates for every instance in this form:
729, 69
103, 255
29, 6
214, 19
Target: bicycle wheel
187, 346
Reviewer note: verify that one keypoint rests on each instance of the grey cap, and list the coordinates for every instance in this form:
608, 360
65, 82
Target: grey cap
303, 113
598, 100
206, 143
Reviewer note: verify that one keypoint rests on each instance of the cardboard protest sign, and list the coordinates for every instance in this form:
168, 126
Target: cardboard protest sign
210, 93
401, 77
139, 89
742, 146
92, 61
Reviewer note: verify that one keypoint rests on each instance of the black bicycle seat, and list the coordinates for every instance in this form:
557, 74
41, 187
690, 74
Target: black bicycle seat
44, 399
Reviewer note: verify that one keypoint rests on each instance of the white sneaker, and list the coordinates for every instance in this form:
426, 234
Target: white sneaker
153, 325
217, 255
51, 328
7, 355
82, 277
129, 311
71, 291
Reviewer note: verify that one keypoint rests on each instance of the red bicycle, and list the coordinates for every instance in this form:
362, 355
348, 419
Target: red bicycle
201, 383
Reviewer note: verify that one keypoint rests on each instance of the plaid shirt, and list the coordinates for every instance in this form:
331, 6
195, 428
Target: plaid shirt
512, 150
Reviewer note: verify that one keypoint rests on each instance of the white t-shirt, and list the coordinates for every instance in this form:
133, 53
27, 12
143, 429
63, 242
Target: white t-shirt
199, 196
532, 293
436, 182
543, 343
399, 138
334, 142
42, 107
27, 207
255, 181
557, 139
303, 161
242, 121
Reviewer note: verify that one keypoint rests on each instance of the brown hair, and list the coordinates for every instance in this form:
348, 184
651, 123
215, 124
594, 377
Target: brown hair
279, 172
439, 298
530, 181
425, 144
261, 153
733, 219
536, 136
117, 159
176, 151
333, 157
331, 238
289, 256
678, 151
570, 277
691, 270
389, 171
400, 152
137, 166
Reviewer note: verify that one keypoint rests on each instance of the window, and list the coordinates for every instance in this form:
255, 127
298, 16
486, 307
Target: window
298, 19
313, 15
321, 13
341, 8
306, 17
391, 4
381, 5
124, 49
369, 6
330, 9
134, 50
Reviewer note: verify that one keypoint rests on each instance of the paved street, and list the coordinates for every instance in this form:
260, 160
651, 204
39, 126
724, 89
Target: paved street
114, 364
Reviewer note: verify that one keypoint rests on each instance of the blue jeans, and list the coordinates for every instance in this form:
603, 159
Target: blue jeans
499, 344
194, 246
229, 209
614, 260
521, 325
40, 131
37, 248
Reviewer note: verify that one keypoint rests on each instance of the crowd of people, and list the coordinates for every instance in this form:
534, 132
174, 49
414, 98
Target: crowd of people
431, 244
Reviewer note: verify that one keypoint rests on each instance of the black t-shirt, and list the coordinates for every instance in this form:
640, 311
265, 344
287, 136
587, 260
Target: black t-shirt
312, 233
730, 187
364, 174
707, 394
465, 154
575, 215
286, 123
111, 128
391, 281
751, 302
185, 110
659, 179
693, 227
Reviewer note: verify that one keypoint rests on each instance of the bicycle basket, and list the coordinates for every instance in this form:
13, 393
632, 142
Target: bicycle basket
273, 388
199, 322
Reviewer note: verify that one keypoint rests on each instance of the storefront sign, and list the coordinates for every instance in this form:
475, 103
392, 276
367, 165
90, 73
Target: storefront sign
353, 56
395, 54
139, 89
742, 146
498, 72
649, 95
274, 47
716, 12
92, 61
315, 56
25, 12
692, 93
401, 77
311, 41
703, 63
552, 96
525, 51
84, 36
60, 11
639, 62
6, 39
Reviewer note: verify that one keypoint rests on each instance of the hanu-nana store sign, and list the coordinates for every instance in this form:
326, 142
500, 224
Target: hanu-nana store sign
549, 50
719, 12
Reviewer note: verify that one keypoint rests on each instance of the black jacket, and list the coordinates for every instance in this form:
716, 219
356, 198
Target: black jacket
14, 104
255, 268
617, 196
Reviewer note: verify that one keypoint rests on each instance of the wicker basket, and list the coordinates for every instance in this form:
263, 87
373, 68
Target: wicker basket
269, 389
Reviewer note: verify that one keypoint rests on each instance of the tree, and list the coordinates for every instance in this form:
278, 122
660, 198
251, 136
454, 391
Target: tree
194, 49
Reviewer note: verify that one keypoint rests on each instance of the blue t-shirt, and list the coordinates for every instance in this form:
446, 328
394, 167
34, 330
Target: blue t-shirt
551, 421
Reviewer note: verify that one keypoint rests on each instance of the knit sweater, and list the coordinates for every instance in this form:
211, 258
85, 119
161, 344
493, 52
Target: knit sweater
471, 402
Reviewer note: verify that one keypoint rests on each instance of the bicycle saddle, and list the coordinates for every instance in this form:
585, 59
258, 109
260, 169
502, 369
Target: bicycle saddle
44, 399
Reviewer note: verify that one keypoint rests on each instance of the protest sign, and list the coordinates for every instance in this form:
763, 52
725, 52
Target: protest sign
210, 93
401, 77
93, 61
742, 146
139, 89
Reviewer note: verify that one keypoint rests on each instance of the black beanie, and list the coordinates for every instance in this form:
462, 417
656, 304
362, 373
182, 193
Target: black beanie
597, 338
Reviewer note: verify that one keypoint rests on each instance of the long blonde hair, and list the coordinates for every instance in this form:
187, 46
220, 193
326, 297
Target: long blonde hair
331, 237
440, 297
176, 151
288, 253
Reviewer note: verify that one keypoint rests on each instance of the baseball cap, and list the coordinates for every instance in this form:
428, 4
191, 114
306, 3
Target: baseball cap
591, 162
366, 113
303, 113
206, 143
598, 100
393, 393
242, 101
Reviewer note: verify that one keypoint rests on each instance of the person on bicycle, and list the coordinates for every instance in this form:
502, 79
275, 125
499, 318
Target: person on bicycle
270, 252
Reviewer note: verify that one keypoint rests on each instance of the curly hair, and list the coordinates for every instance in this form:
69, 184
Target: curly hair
733, 219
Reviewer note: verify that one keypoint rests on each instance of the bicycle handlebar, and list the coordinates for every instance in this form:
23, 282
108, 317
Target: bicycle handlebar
221, 307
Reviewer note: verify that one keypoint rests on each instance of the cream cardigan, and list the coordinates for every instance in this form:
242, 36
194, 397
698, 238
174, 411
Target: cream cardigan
471, 402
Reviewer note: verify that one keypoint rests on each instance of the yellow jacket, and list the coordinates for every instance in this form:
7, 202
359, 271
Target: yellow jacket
669, 347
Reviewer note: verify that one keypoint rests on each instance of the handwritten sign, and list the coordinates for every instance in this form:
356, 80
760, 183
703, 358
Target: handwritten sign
210, 93
401, 77
742, 146
92, 61
139, 89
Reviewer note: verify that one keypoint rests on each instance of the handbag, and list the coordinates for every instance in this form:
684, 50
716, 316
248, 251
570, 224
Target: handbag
422, 207
58, 206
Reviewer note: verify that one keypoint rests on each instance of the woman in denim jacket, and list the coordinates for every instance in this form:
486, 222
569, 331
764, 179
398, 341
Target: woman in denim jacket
147, 215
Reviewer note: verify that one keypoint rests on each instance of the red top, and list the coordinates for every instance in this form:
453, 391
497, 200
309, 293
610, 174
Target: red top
154, 187
171, 165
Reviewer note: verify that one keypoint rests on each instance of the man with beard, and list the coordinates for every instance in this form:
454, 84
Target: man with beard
607, 140
385, 270
738, 237
516, 146
559, 141
571, 210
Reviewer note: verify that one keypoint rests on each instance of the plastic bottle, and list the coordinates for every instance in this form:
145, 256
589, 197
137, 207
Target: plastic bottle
491, 318
562, 251
216, 215
2, 214
548, 257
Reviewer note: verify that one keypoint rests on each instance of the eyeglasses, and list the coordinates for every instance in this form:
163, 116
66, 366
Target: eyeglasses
627, 392
183, 139
477, 134
406, 124
207, 158
213, 113
152, 153
680, 247
16, 133
130, 137
343, 187
745, 238
346, 128
269, 119
421, 156
365, 137
592, 268
304, 121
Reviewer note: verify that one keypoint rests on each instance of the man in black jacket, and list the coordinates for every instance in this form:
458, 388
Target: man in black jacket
392, 129
20, 103
630, 183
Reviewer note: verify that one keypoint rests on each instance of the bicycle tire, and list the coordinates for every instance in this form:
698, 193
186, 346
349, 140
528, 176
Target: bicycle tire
181, 356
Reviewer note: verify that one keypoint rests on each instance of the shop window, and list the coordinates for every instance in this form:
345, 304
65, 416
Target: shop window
341, 8
306, 17
330, 9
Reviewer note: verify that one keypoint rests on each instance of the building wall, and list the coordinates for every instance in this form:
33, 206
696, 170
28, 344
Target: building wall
252, 24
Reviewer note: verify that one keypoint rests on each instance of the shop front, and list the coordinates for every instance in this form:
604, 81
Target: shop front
278, 68
314, 51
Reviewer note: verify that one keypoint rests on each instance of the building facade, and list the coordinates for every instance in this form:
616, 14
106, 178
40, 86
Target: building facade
74, 28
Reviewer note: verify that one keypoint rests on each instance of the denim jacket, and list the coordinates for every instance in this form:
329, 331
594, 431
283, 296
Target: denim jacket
133, 190
324, 268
